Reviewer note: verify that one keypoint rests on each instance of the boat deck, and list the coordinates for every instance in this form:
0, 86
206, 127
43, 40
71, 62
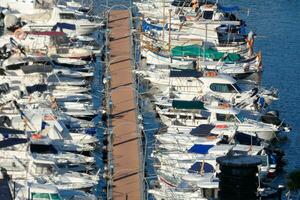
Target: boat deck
127, 173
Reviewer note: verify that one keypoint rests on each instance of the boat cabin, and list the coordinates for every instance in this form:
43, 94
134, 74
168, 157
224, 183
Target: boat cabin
224, 86
223, 113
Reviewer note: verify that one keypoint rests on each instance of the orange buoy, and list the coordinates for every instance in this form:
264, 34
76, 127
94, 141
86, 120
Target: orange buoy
19, 34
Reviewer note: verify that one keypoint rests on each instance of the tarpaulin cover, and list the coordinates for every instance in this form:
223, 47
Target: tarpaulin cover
185, 73
147, 27
202, 130
180, 104
197, 51
229, 9
200, 148
36, 68
197, 167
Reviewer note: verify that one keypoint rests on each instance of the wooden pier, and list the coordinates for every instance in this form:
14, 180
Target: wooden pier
126, 148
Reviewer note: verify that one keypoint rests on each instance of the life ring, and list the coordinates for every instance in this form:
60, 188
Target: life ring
211, 137
211, 74
221, 126
36, 136
20, 34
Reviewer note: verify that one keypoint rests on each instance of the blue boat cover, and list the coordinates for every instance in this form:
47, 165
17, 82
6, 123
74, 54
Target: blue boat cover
62, 26
11, 142
197, 167
147, 27
200, 148
202, 130
9, 131
185, 73
246, 139
228, 9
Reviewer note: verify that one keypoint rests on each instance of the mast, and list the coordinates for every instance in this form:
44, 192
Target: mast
164, 22
170, 11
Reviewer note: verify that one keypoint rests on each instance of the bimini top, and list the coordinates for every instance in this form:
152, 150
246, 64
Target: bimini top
203, 130
200, 148
185, 73
197, 167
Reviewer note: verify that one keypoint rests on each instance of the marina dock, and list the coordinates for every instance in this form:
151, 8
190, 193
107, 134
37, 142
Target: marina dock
127, 173
152, 99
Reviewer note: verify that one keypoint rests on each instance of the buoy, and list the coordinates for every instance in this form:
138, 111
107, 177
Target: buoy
19, 34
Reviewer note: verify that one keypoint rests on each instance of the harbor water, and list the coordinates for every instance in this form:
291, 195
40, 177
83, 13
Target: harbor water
276, 24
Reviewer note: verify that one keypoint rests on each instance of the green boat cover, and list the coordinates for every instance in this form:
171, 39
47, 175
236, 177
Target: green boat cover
197, 51
180, 104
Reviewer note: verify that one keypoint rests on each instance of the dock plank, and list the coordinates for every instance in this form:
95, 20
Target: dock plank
126, 150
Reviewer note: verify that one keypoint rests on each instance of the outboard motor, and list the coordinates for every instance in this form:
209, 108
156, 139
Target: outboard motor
20, 47
5, 121
4, 52
272, 117
4, 88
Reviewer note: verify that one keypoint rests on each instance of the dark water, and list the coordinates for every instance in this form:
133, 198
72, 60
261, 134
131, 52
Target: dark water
277, 26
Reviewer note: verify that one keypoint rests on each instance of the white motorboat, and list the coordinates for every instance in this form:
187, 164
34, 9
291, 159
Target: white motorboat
50, 192
60, 18
157, 59
191, 84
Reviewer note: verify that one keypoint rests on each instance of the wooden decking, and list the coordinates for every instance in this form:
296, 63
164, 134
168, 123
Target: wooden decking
127, 183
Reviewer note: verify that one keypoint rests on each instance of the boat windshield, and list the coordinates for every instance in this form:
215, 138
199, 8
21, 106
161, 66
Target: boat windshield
67, 16
237, 88
184, 187
45, 196
227, 118
223, 88
208, 14
239, 117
